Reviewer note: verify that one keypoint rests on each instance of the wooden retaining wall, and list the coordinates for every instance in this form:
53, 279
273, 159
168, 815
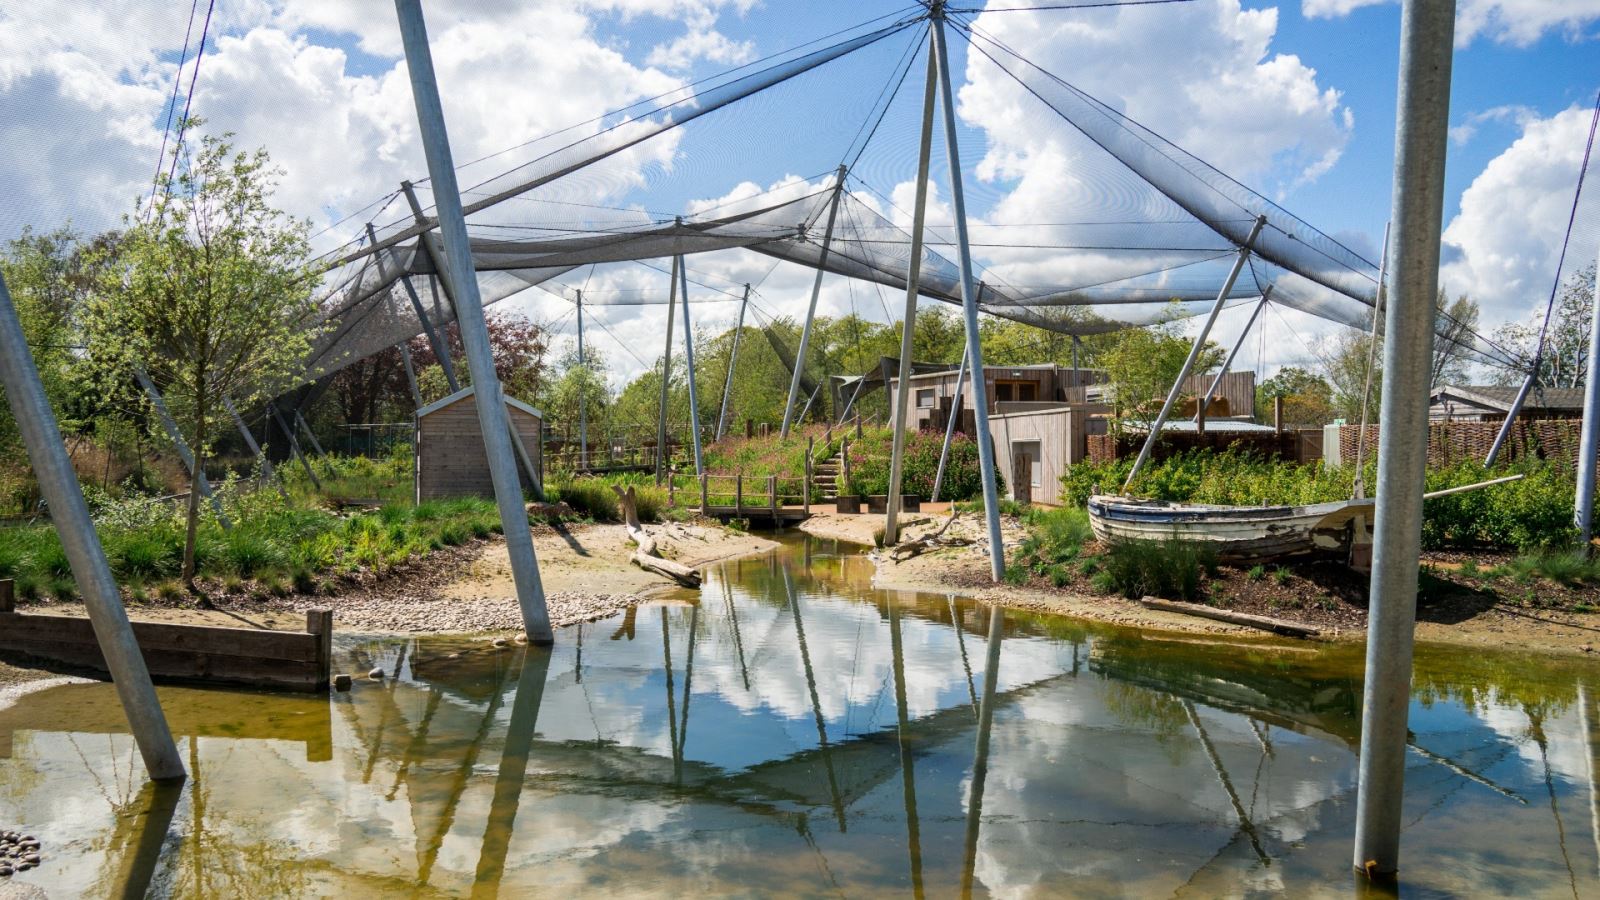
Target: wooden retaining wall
253, 657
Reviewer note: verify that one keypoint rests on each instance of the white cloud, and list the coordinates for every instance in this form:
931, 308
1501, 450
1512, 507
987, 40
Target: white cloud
1515, 22
1502, 247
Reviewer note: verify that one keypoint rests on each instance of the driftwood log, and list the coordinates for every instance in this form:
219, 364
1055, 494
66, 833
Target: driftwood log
921, 545
1265, 623
648, 557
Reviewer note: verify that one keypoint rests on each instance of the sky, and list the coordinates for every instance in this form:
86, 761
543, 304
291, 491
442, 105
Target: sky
1295, 99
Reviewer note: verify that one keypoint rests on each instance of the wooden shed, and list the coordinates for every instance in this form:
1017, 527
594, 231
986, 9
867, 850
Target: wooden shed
448, 455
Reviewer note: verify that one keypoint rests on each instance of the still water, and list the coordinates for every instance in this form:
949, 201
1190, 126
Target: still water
795, 732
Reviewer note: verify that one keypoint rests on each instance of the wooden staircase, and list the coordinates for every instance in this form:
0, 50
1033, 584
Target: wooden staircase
825, 480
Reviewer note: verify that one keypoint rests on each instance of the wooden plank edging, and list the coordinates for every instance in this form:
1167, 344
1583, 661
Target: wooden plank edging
1265, 623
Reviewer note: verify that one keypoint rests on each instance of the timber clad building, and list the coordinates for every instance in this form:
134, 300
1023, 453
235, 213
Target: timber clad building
448, 456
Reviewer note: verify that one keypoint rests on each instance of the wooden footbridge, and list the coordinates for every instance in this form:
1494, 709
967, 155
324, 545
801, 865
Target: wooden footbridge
758, 499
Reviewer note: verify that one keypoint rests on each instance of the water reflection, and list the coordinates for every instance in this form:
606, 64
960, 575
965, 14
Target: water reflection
844, 740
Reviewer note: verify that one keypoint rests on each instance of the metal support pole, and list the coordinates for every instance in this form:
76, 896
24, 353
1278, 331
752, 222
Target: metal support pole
182, 446
1426, 34
980, 753
949, 430
311, 435
294, 444
70, 515
806, 410
1216, 383
411, 374
1360, 492
811, 311
902, 392
688, 360
583, 395
969, 305
469, 318
1589, 440
441, 350
255, 449
733, 358
1194, 352
666, 377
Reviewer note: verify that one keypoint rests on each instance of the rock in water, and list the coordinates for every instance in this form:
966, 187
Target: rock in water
501, 642
376, 674
342, 682
522, 637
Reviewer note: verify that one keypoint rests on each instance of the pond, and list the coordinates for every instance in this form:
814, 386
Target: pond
796, 732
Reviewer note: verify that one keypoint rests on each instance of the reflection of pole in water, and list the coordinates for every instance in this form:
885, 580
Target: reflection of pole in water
733, 616
389, 710
1536, 725
1587, 720
961, 641
672, 701
629, 618
688, 675
908, 775
816, 702
513, 770
469, 761
980, 756
1245, 824
159, 800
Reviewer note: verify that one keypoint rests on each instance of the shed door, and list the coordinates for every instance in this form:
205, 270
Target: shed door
1025, 470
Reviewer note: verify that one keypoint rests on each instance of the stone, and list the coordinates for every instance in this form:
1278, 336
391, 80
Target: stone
31, 859
376, 674
501, 642
522, 637
342, 682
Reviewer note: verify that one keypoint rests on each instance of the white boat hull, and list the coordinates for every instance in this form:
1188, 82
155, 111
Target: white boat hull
1235, 533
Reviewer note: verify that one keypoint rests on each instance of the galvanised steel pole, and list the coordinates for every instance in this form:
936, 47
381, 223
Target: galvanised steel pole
469, 318
1194, 352
688, 360
1427, 29
919, 218
733, 358
1512, 413
1589, 442
1216, 383
255, 449
178, 443
294, 444
583, 404
949, 430
310, 435
980, 753
1360, 492
969, 305
666, 377
811, 311
441, 350
70, 515
411, 374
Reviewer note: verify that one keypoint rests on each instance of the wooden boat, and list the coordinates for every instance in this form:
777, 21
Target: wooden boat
1242, 533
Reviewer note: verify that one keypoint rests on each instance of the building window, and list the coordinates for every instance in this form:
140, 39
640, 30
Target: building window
925, 398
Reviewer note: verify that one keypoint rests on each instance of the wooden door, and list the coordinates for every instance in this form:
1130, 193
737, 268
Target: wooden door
1021, 474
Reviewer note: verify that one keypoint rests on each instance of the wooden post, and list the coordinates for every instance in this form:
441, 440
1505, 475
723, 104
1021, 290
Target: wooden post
749, 428
705, 507
8, 595
319, 621
1200, 418
766, 429
738, 493
672, 489
844, 463
1277, 414
805, 486
858, 423
772, 496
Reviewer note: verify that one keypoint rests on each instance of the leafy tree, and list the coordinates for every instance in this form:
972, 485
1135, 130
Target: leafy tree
1343, 359
210, 295
1307, 397
368, 388
517, 344
1142, 364
1456, 323
46, 275
579, 387
1566, 354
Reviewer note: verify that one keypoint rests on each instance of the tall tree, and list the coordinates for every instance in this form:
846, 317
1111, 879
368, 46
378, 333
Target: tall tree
1455, 327
1307, 397
1142, 364
1565, 360
210, 295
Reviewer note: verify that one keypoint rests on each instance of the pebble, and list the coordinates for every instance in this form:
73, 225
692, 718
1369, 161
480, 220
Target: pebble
400, 611
342, 682
376, 674
18, 853
500, 642
522, 637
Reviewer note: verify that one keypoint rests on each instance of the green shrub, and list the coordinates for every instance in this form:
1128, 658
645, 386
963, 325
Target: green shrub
869, 466
1256, 573
1159, 568
143, 554
248, 554
52, 559
14, 559
591, 498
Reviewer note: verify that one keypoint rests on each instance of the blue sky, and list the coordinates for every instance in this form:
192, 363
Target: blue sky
1294, 98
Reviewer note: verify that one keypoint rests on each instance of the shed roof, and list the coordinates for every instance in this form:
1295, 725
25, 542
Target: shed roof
1500, 397
466, 392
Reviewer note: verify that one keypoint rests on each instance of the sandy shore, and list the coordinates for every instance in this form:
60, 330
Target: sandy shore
964, 571
585, 570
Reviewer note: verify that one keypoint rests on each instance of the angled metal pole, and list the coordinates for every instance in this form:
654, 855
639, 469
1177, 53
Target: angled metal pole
411, 374
1427, 28
1216, 383
980, 753
811, 311
902, 392
969, 305
1366, 384
1240, 259
491, 405
733, 359
70, 515
255, 449
666, 377
688, 360
441, 350
1589, 441
583, 395
1076, 341
949, 430
806, 410
294, 444
182, 446
310, 435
